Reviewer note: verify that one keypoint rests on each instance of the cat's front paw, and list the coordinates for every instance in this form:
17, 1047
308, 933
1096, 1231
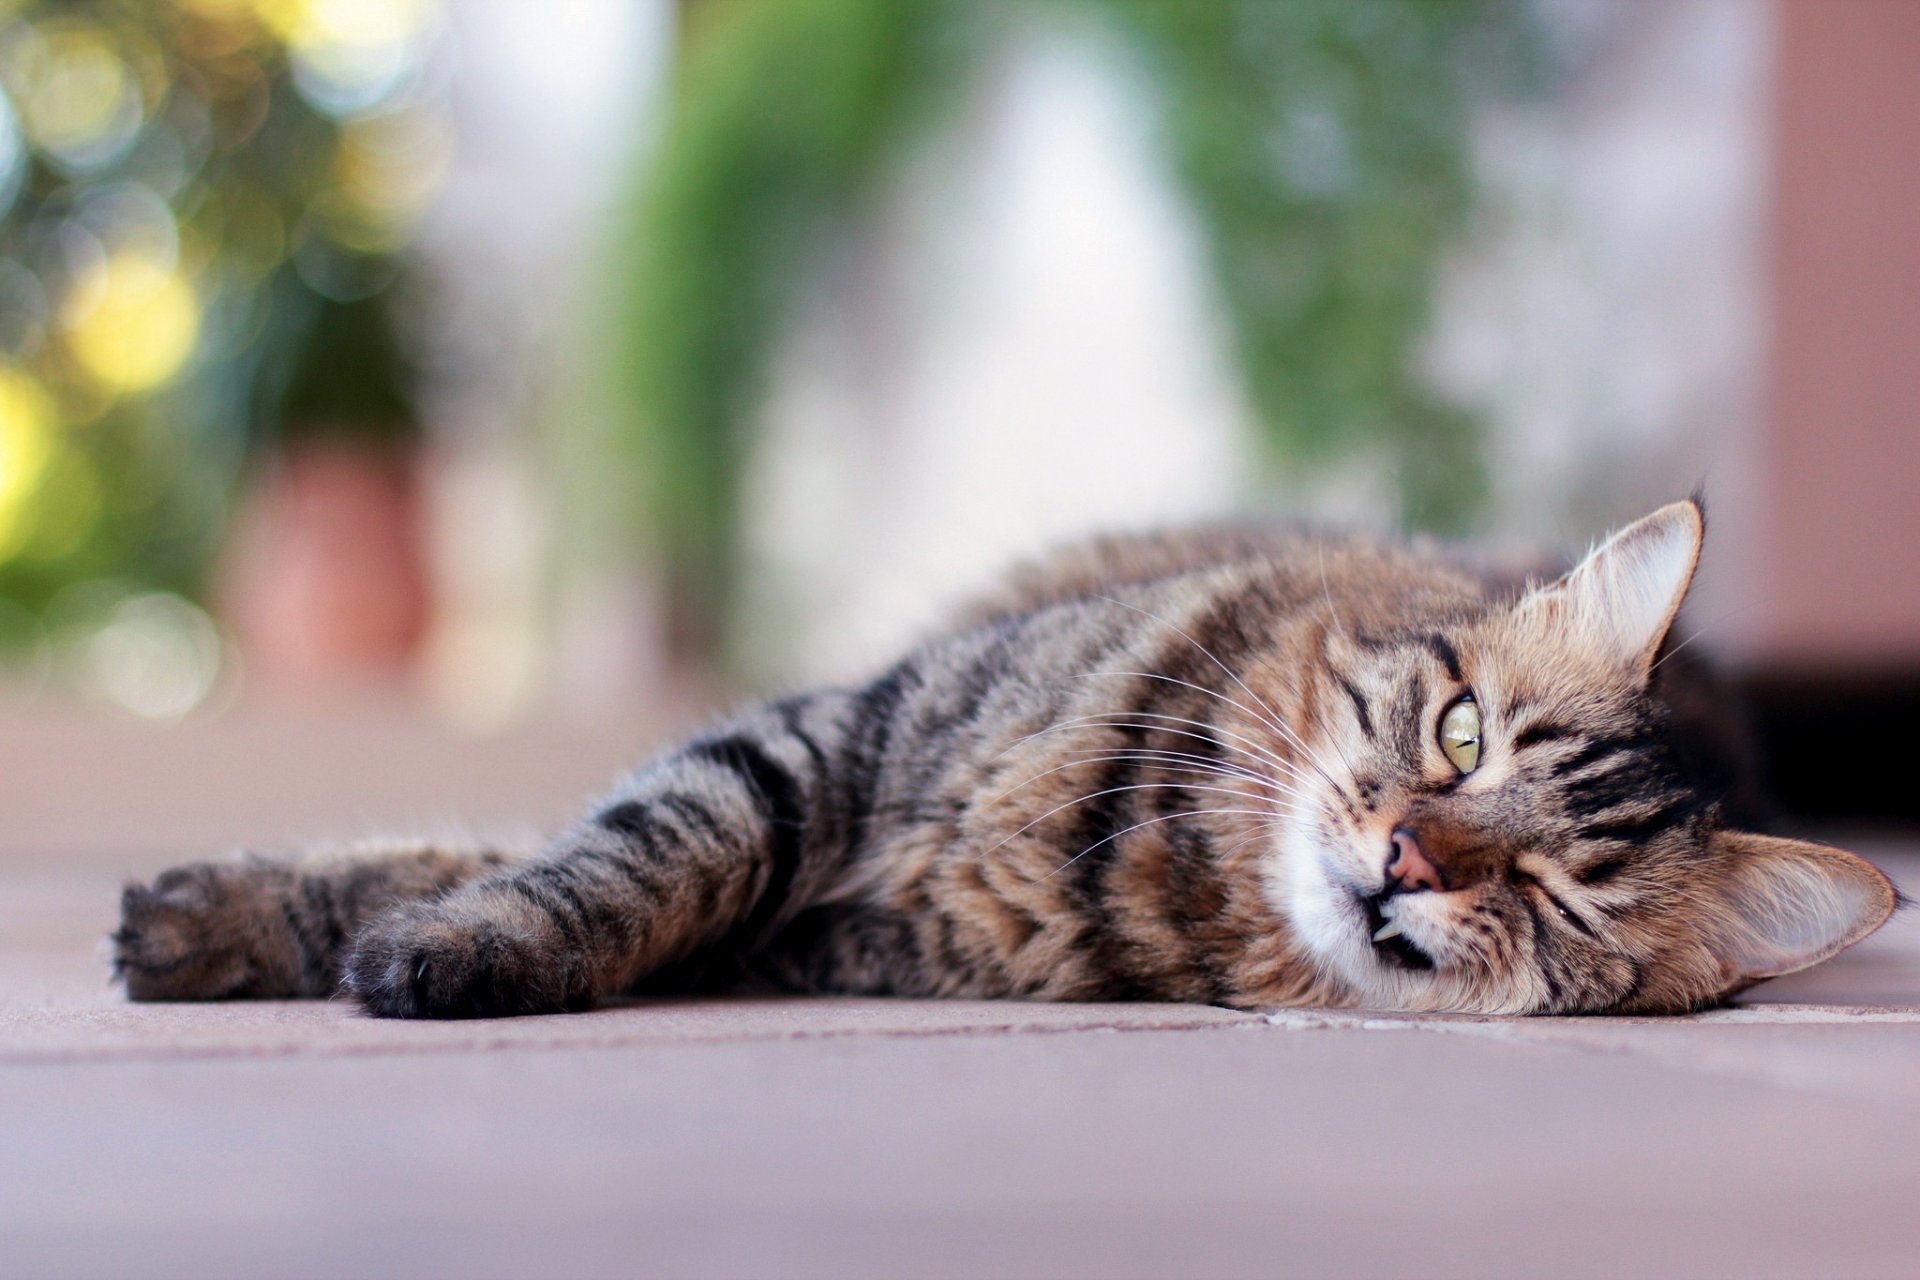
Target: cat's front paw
456, 960
208, 931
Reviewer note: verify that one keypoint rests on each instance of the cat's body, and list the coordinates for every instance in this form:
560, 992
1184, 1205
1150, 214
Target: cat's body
1227, 766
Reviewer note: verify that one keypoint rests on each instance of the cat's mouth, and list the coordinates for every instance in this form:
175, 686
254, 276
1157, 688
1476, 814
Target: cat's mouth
1397, 951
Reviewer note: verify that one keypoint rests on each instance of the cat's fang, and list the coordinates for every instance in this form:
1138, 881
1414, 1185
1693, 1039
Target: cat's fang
1391, 929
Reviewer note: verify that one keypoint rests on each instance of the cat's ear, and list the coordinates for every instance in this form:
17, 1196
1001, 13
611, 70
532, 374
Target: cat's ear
1785, 904
1623, 597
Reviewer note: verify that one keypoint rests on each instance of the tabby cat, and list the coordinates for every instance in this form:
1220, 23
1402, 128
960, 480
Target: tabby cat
1253, 768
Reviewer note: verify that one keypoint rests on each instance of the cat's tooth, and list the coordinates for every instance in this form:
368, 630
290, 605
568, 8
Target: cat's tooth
1391, 929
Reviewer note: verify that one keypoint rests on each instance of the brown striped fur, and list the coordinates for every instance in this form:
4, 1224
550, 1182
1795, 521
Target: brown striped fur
1168, 767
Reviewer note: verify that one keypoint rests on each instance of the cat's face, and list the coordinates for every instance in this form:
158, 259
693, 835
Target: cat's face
1497, 819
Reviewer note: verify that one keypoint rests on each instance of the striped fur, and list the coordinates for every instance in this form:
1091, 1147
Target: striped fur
1164, 768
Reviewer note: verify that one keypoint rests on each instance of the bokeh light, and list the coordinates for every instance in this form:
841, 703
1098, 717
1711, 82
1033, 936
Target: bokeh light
156, 655
13, 154
27, 421
349, 56
132, 323
386, 170
195, 197
79, 100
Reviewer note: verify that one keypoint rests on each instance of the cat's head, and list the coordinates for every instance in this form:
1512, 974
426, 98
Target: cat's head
1501, 819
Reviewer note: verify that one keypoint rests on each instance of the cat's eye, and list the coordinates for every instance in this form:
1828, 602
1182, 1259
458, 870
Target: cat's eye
1460, 734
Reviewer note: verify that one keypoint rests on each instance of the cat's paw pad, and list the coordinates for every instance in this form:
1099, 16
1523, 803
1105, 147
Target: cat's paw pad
206, 931
453, 961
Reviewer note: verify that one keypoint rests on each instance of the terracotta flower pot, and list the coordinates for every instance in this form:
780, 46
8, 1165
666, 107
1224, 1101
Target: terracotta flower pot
326, 578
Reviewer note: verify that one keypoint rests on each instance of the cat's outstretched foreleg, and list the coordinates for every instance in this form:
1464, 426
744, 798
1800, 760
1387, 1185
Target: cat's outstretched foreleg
258, 928
703, 853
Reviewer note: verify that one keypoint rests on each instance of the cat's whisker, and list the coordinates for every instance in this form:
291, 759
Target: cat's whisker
1262, 831
1286, 733
1111, 719
1151, 755
1173, 763
1286, 784
1191, 756
1262, 703
1148, 762
1165, 817
1102, 759
1272, 718
1091, 723
1704, 627
1256, 767
1276, 721
1135, 786
1188, 684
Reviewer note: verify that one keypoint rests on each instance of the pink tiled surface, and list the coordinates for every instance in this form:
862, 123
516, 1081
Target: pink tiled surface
855, 1138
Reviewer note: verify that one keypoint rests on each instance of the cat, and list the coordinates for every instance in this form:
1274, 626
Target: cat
1247, 767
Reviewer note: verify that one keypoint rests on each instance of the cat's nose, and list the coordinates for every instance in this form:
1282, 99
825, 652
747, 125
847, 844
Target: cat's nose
1409, 870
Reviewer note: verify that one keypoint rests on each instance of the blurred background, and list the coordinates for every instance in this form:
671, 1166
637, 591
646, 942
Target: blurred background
405, 387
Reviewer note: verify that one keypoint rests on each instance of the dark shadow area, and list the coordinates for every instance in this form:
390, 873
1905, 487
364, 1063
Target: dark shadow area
1830, 746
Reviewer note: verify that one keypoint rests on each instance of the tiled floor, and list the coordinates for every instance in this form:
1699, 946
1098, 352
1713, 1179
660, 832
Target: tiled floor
874, 1138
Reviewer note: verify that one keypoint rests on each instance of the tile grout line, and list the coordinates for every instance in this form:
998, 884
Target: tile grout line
1551, 1033
114, 1055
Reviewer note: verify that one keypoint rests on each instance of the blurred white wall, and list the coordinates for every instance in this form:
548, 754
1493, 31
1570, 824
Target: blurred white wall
1023, 348
550, 104
1609, 315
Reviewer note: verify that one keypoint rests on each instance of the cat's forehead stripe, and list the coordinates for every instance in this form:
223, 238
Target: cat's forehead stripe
1638, 830
1543, 731
1359, 702
1599, 749
1599, 873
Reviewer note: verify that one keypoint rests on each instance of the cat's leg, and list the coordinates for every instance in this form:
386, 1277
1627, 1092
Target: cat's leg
260, 928
704, 853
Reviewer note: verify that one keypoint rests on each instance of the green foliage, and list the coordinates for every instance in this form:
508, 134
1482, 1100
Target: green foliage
784, 118
350, 375
1322, 144
196, 247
